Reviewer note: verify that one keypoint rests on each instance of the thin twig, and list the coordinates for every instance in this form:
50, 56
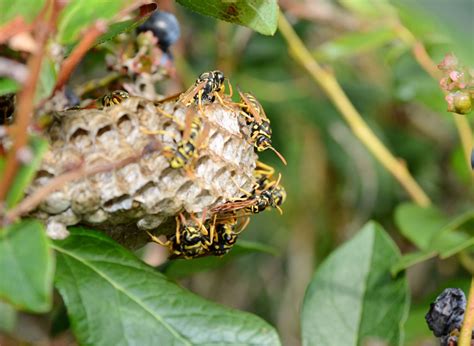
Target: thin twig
24, 109
70, 63
359, 127
32, 201
468, 324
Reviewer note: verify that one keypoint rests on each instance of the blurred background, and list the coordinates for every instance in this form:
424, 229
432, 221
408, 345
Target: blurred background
334, 184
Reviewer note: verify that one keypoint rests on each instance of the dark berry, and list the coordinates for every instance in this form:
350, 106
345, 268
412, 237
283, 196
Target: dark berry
164, 26
447, 312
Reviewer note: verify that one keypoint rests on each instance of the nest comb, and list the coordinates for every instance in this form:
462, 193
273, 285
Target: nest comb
147, 193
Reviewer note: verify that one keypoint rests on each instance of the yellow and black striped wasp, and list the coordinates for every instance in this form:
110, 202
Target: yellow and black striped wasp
114, 98
193, 136
208, 87
190, 240
265, 193
258, 122
226, 234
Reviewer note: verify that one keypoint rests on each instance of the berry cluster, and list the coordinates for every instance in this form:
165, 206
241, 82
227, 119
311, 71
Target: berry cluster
458, 83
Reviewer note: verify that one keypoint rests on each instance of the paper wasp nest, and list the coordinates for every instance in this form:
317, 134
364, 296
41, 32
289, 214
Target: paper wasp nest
147, 193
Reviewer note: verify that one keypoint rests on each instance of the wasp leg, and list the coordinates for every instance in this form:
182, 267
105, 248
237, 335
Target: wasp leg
155, 239
245, 192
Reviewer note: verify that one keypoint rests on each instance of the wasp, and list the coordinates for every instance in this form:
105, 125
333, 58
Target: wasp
207, 88
226, 234
258, 122
193, 135
265, 193
189, 240
114, 98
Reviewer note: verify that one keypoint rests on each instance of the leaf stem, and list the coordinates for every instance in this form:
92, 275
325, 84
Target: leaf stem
333, 90
468, 324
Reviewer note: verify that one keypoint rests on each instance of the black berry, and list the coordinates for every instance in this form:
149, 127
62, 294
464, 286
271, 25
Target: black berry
164, 26
447, 312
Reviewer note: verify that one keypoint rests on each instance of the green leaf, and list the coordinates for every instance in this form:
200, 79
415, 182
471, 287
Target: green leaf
8, 317
119, 28
353, 297
47, 79
259, 15
431, 231
8, 85
27, 172
180, 268
354, 43
114, 299
25, 8
419, 224
80, 14
26, 266
371, 8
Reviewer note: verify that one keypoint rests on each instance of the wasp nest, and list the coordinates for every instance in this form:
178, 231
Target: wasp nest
146, 193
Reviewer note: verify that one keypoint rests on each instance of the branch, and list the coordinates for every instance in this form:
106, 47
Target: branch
359, 127
70, 63
24, 109
468, 324
32, 201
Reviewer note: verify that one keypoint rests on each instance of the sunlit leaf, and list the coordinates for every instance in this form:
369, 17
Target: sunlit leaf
105, 286
80, 14
259, 15
353, 297
26, 266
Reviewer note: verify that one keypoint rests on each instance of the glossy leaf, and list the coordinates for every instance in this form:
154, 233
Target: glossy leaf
25, 8
353, 297
354, 43
80, 14
114, 299
259, 15
181, 268
26, 266
27, 172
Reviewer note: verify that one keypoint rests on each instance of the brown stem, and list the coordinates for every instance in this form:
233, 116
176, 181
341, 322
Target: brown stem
468, 324
33, 200
25, 99
79, 51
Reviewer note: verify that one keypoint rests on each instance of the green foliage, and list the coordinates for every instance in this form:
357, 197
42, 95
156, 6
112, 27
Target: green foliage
8, 85
25, 8
27, 172
432, 232
8, 317
352, 296
259, 15
80, 14
105, 286
26, 266
354, 43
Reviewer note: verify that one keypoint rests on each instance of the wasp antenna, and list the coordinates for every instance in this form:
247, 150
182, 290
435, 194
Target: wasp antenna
231, 91
244, 226
278, 180
280, 156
